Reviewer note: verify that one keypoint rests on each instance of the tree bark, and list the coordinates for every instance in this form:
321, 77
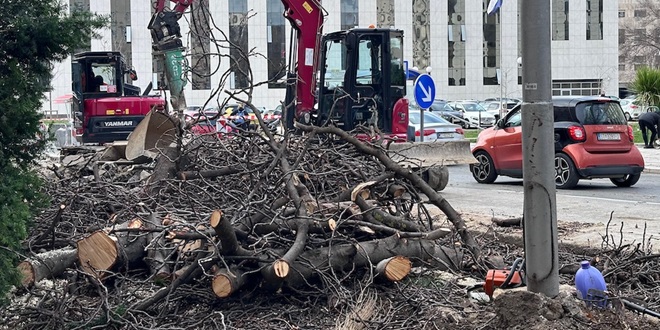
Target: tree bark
47, 265
225, 282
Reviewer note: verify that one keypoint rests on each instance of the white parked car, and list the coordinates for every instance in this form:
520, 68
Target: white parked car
436, 128
633, 110
495, 107
474, 114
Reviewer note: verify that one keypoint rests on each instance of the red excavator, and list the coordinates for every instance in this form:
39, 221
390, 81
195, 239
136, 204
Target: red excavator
107, 107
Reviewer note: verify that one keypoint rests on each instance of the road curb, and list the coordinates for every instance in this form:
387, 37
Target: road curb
651, 170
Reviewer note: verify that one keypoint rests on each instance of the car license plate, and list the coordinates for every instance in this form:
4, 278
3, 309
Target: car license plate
445, 135
609, 136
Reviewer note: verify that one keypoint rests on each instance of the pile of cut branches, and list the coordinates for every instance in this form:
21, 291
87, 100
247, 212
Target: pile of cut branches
245, 214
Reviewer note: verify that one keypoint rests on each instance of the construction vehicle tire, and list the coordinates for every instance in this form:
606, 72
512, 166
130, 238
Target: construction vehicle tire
437, 177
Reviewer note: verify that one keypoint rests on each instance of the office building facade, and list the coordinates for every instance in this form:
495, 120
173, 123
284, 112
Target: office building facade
236, 44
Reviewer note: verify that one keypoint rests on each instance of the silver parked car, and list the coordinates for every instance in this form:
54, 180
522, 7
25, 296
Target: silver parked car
436, 128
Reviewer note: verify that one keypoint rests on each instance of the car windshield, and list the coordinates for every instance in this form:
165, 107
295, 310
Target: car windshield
600, 113
473, 107
429, 118
438, 105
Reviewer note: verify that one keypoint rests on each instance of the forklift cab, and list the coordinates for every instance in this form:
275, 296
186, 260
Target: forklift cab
361, 78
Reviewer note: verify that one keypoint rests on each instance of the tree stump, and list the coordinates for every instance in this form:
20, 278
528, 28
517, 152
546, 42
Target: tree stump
394, 269
101, 251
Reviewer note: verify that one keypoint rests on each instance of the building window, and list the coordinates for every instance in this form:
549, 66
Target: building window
560, 20
622, 36
622, 13
276, 38
350, 17
491, 44
577, 87
638, 59
456, 42
238, 36
200, 45
622, 67
640, 13
594, 19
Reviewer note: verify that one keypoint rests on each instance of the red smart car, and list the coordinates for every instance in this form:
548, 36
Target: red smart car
592, 140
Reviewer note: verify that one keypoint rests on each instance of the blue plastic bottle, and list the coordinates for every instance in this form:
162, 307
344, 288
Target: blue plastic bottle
589, 278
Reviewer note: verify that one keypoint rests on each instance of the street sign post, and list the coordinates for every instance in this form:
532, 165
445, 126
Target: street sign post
424, 96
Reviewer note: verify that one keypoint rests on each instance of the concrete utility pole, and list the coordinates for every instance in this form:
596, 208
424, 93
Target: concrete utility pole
540, 210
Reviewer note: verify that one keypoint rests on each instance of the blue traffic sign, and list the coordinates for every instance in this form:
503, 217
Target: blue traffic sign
424, 91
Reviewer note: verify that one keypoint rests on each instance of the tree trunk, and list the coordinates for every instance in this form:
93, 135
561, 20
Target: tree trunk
225, 282
47, 265
101, 251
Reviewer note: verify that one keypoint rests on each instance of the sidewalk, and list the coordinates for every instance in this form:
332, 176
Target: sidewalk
651, 159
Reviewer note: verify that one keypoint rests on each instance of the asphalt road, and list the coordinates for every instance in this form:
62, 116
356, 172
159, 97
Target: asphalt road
592, 201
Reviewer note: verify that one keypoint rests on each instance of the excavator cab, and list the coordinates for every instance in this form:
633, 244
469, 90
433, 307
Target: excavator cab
106, 106
362, 80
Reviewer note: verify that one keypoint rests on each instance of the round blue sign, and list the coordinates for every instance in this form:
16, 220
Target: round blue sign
424, 91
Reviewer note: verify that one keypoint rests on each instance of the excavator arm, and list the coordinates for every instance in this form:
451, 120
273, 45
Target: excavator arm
306, 18
157, 128
166, 40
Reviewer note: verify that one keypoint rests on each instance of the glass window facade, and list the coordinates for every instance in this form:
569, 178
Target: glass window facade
276, 38
560, 19
594, 19
238, 36
200, 42
350, 14
491, 44
456, 42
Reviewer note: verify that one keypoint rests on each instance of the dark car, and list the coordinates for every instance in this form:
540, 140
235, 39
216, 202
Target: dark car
453, 116
592, 140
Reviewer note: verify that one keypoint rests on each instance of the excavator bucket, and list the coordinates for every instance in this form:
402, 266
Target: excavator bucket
432, 153
156, 130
